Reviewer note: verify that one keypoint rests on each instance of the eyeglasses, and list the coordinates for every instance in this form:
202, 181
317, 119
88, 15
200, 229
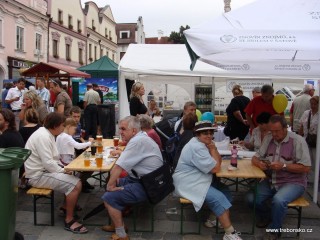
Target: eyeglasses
207, 133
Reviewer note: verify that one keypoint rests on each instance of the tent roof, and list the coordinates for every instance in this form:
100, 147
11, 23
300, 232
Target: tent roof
53, 69
173, 60
102, 64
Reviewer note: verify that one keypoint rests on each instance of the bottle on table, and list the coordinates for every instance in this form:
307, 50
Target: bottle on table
234, 156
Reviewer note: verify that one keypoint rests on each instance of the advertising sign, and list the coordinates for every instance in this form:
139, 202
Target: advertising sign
247, 85
108, 86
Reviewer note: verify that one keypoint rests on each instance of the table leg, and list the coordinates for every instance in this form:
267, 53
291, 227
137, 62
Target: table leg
254, 205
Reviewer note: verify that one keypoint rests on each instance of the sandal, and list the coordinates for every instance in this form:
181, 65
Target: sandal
80, 229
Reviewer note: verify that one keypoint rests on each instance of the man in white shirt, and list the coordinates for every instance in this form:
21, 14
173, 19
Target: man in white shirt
15, 99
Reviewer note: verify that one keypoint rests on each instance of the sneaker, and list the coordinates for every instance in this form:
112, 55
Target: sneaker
232, 236
212, 223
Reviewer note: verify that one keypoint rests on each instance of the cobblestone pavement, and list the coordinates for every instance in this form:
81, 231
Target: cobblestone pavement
167, 216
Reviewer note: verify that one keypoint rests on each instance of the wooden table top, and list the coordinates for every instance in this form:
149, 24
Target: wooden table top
245, 170
78, 163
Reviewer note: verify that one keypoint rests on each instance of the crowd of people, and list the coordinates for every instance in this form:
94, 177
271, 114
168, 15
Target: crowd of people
56, 138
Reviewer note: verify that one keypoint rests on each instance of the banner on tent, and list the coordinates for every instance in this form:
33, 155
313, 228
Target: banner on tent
108, 86
247, 85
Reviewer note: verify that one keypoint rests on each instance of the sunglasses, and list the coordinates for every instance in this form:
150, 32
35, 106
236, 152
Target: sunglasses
207, 133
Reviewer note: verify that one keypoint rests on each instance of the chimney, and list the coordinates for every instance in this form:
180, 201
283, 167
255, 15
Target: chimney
160, 34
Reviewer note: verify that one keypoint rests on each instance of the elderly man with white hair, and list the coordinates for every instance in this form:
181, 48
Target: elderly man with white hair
299, 106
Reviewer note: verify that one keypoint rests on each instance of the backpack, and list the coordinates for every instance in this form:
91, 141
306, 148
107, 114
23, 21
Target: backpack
165, 128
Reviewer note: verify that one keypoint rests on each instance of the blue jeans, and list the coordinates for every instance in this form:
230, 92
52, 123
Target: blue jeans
218, 201
279, 201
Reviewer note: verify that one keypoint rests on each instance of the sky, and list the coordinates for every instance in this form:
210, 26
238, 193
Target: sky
166, 15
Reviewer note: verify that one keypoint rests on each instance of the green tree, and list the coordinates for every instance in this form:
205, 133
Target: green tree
178, 37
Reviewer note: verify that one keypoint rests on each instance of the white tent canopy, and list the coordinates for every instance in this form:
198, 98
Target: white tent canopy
264, 37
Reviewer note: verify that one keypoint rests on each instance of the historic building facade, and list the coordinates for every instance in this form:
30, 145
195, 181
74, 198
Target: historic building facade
23, 36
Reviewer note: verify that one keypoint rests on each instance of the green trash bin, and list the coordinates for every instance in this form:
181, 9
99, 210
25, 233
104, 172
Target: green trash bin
10, 161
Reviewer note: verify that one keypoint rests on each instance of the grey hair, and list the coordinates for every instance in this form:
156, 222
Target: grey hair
278, 118
133, 122
146, 122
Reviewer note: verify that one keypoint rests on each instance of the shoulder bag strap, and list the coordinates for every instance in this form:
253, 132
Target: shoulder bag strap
309, 120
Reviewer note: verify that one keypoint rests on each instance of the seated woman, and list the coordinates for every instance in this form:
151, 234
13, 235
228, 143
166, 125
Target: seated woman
199, 160
153, 110
258, 133
146, 124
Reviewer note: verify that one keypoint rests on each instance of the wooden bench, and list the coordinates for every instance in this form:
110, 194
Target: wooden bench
183, 204
37, 194
298, 204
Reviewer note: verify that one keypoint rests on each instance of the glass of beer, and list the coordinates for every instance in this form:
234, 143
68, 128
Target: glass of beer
99, 147
86, 160
99, 159
99, 138
116, 141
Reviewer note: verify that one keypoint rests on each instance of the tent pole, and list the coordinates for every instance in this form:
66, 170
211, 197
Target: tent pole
317, 162
213, 96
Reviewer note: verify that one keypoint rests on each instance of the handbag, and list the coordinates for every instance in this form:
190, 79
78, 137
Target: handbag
227, 130
158, 184
311, 139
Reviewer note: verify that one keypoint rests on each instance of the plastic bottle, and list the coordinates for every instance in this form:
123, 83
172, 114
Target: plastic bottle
234, 156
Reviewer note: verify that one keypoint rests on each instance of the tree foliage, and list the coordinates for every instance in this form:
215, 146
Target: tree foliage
178, 37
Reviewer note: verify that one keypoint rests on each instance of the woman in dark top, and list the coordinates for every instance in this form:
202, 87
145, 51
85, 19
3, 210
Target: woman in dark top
188, 123
31, 124
9, 137
237, 123
136, 103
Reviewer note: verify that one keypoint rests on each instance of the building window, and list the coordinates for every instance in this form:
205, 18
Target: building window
70, 25
60, 17
80, 56
79, 26
55, 48
93, 27
106, 32
112, 56
101, 52
90, 52
95, 53
68, 52
38, 42
124, 34
110, 35
0, 32
20, 36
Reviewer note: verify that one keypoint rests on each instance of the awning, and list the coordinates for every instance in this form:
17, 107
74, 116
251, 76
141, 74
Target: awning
54, 70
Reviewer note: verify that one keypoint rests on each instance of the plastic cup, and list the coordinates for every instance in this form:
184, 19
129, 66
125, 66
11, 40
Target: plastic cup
116, 141
99, 138
99, 159
87, 162
99, 148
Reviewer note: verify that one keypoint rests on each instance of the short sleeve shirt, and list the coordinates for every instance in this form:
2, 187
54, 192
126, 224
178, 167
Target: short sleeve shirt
141, 154
91, 97
192, 177
13, 93
63, 98
292, 149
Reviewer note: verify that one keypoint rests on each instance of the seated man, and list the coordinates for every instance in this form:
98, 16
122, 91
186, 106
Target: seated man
43, 170
284, 156
141, 154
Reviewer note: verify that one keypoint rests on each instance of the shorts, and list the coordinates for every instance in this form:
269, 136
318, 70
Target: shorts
60, 182
216, 201
132, 193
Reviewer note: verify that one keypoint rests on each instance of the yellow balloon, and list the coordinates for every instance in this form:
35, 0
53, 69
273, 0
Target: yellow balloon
280, 103
199, 114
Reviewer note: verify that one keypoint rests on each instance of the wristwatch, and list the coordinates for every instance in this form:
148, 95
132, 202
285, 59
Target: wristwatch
284, 167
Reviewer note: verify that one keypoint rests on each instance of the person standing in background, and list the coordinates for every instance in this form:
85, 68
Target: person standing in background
299, 106
260, 104
97, 89
4, 95
90, 103
237, 124
136, 102
43, 92
15, 99
63, 101
311, 116
256, 92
